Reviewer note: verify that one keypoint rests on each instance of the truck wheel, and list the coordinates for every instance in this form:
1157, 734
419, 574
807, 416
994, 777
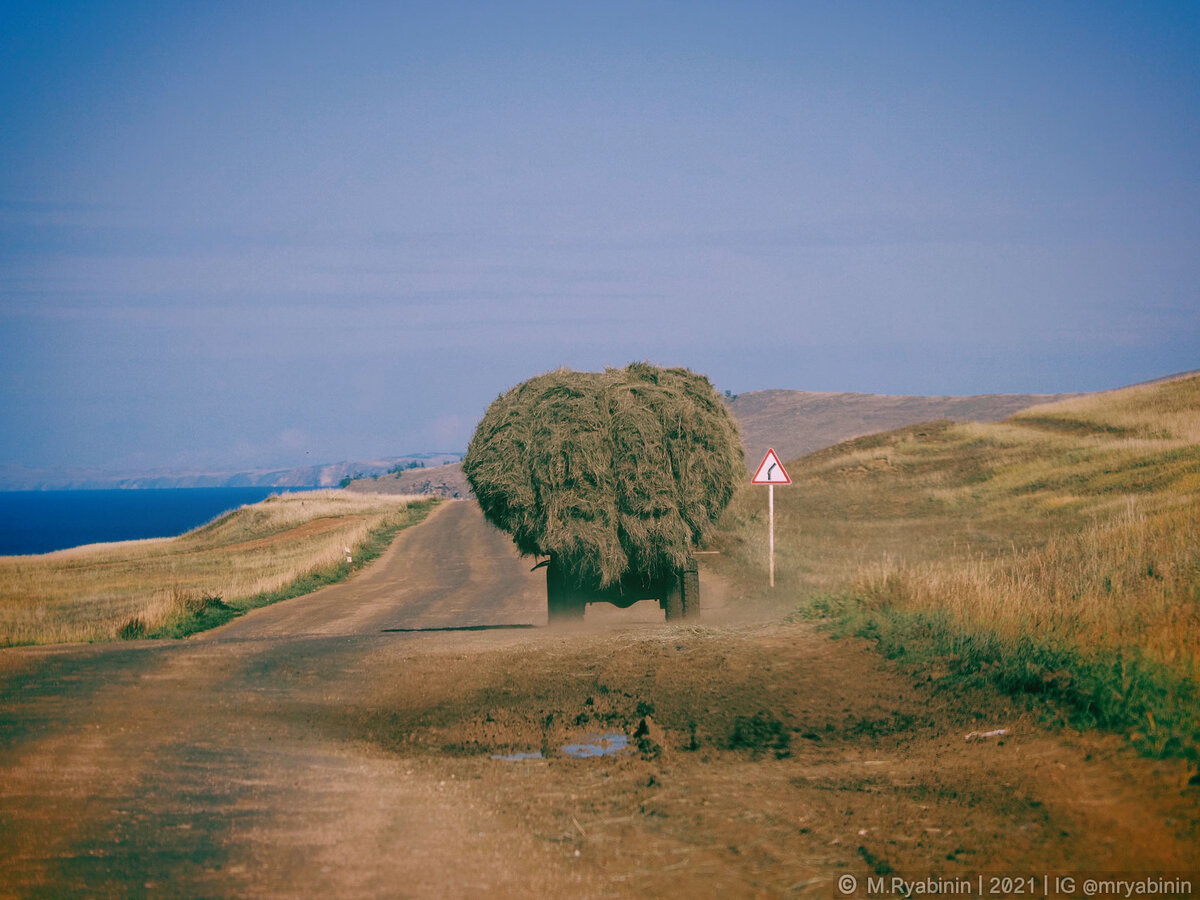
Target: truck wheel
674, 599
689, 580
562, 603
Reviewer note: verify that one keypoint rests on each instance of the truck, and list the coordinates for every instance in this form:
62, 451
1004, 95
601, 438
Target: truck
613, 477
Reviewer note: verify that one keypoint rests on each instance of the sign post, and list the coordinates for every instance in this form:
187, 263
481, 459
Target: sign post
771, 472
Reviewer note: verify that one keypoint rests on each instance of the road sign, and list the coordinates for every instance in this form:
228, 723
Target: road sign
771, 471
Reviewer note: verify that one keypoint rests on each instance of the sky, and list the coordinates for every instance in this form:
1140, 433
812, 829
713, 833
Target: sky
256, 234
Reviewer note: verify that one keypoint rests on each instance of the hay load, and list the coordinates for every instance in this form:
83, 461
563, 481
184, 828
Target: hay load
614, 475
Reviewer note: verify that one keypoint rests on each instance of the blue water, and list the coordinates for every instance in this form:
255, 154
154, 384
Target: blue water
598, 745
41, 521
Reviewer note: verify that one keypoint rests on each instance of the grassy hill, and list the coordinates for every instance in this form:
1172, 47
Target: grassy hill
1055, 553
169, 587
800, 422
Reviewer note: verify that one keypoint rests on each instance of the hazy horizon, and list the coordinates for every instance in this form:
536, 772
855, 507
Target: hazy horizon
272, 236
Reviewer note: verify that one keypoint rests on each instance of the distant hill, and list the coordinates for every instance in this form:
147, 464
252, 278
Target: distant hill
796, 423
442, 481
17, 478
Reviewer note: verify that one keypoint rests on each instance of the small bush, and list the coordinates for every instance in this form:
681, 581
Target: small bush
132, 629
760, 733
194, 602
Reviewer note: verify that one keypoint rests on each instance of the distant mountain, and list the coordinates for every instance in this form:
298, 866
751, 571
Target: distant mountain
443, 481
19, 478
795, 423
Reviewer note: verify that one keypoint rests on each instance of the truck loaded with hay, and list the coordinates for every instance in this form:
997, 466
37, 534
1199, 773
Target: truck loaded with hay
614, 476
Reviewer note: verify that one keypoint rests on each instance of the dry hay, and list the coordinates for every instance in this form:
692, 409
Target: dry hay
611, 472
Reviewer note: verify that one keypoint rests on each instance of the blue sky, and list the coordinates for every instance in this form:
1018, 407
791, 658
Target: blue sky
260, 234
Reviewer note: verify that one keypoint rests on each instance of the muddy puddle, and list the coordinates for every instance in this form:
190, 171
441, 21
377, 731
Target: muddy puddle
590, 745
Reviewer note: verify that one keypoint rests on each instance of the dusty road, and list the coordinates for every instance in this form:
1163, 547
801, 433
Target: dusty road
187, 769
343, 745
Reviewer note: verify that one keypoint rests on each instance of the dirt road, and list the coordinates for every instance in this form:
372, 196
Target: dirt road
345, 744
187, 769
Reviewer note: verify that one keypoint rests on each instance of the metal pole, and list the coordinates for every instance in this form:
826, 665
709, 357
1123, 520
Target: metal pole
771, 543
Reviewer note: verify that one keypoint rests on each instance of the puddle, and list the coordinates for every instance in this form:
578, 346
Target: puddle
608, 744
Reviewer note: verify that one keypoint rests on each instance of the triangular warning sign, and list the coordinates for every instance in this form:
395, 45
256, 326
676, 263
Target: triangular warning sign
771, 471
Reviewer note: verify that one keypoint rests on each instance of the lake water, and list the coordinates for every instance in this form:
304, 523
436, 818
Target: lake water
41, 521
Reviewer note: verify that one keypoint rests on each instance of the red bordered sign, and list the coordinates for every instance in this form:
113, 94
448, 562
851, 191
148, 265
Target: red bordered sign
771, 471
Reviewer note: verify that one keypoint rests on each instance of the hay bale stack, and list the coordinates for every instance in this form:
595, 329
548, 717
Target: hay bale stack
611, 472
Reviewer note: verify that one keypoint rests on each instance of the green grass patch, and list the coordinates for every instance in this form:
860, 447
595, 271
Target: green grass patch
201, 614
760, 733
1123, 691
1076, 427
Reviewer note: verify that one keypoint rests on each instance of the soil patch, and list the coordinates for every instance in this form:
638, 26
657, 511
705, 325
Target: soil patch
765, 759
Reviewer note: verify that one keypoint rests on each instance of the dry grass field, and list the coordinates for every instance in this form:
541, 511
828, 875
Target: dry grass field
795, 423
171, 586
1055, 553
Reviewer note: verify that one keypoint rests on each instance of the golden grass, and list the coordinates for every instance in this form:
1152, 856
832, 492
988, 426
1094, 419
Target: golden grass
1073, 523
1131, 581
90, 593
1163, 410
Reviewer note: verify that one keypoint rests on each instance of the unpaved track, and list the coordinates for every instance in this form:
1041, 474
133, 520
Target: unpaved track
454, 571
179, 768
